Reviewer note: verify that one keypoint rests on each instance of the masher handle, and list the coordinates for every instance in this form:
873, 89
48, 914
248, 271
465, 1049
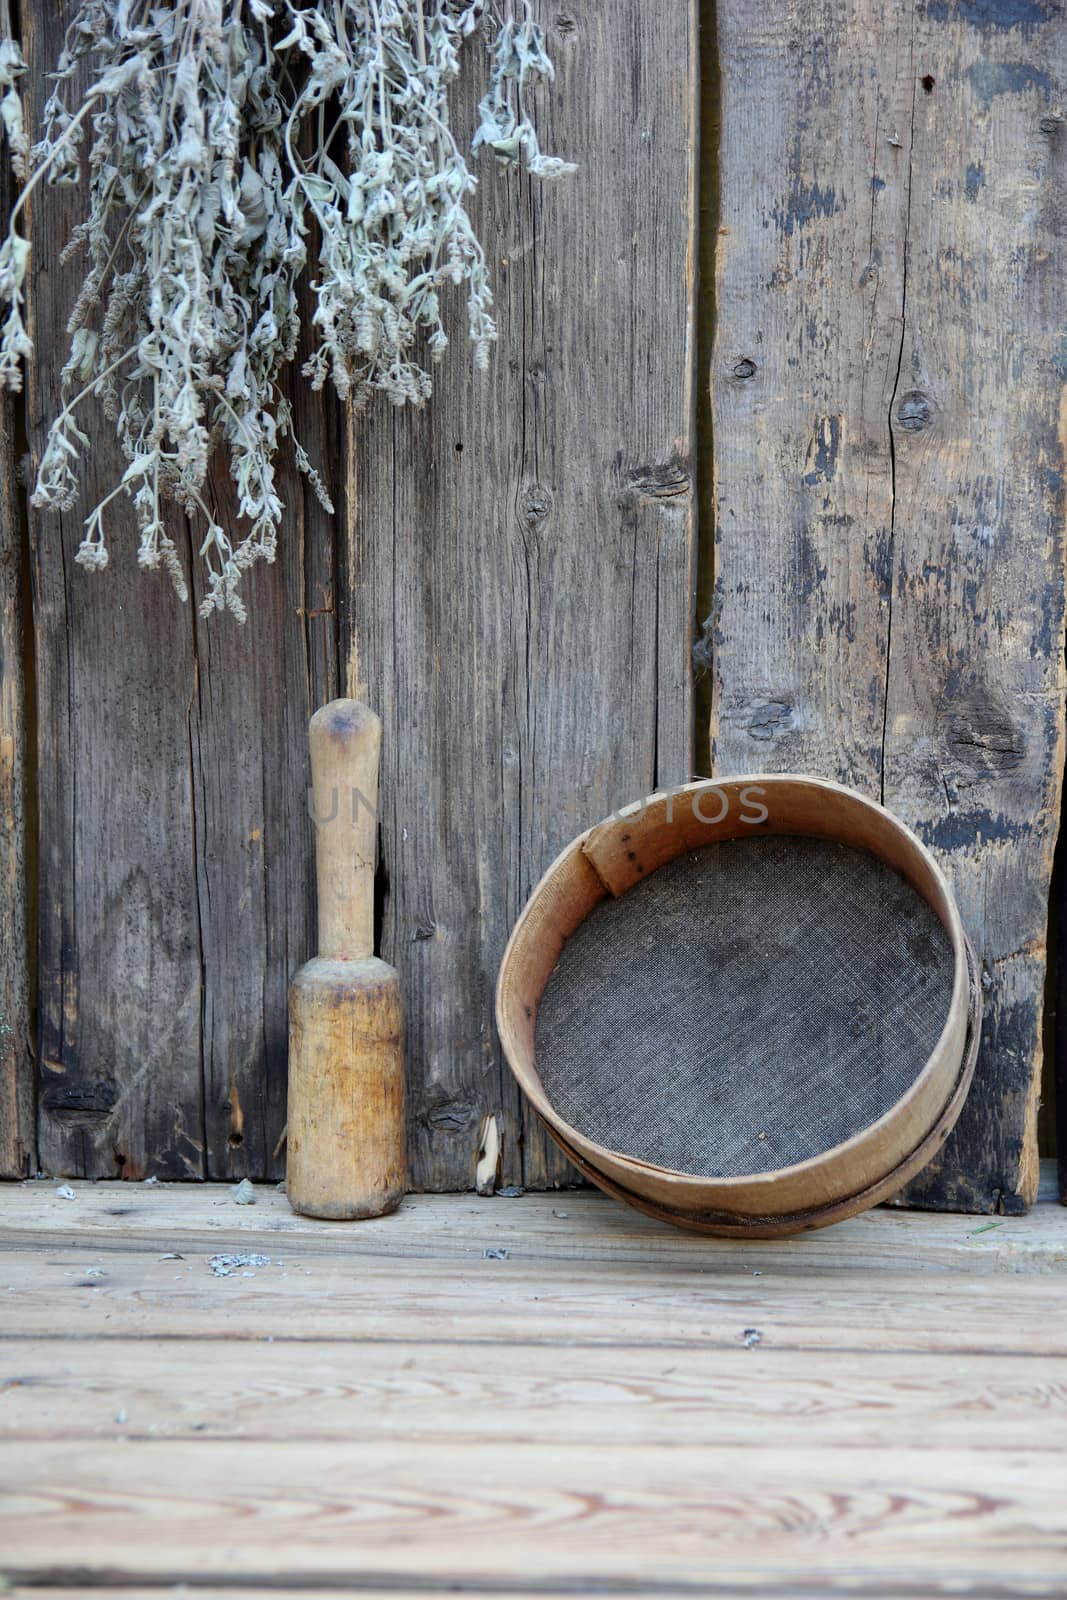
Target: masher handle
345, 738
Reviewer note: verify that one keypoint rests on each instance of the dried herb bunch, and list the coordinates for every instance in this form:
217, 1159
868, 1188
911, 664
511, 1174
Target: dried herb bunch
225, 140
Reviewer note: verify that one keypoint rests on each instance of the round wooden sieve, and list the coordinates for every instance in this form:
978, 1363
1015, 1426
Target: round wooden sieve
745, 1005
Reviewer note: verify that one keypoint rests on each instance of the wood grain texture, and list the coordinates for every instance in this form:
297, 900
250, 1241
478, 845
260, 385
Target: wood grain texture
119, 973
577, 1226
795, 1585
491, 1272
739, 1583
175, 848
489, 1300
564, 1515
499, 545
345, 741
1059, 1126
803, 367
974, 732
516, 1394
584, 1408
346, 1148
254, 862
520, 570
18, 1135
888, 603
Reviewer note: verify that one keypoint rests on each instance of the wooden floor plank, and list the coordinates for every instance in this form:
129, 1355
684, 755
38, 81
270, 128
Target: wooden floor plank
548, 1511
494, 1398
717, 1583
796, 1586
77, 1294
519, 1393
577, 1226
738, 1582
228, 1591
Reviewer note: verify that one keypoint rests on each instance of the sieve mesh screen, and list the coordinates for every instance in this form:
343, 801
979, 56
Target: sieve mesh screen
747, 1006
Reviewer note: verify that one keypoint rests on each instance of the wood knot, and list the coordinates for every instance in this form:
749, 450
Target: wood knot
984, 738
78, 1099
745, 368
535, 503
663, 480
762, 718
914, 411
451, 1116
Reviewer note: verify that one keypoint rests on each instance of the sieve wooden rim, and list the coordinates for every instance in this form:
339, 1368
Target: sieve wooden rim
611, 857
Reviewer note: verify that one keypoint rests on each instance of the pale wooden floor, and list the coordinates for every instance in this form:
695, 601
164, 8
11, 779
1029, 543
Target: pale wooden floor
538, 1395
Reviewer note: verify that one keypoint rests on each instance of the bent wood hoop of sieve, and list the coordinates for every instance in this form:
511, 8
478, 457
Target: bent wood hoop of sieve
643, 1107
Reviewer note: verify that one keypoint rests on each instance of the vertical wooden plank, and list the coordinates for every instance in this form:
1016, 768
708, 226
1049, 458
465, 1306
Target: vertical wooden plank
257, 687
708, 133
889, 557
816, 102
1059, 1080
18, 1136
17, 1132
1058, 1121
119, 954
974, 713
520, 564
176, 855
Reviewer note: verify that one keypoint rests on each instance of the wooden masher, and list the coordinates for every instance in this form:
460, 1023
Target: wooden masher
346, 1143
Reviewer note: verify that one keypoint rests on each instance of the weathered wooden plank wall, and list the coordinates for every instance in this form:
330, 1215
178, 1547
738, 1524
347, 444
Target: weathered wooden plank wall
18, 1135
513, 592
977, 647
888, 383
1056, 1122
513, 585
18, 1132
175, 884
521, 568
